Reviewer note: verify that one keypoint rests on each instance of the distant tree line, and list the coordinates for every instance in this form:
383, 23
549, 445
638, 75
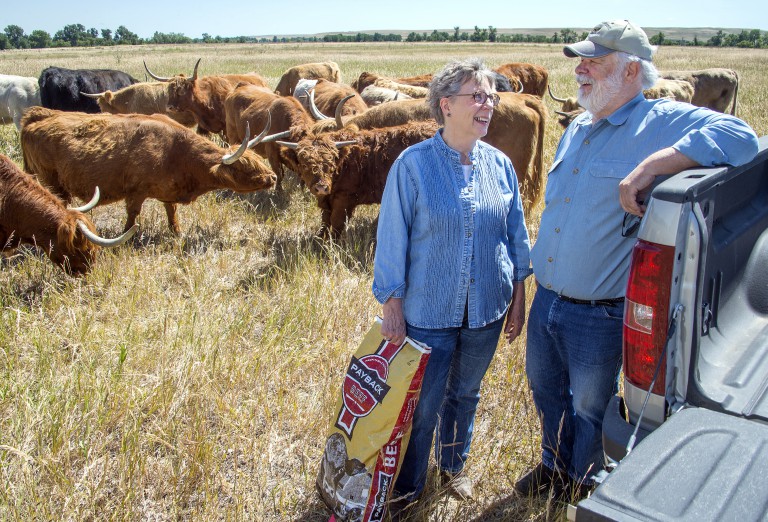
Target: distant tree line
76, 35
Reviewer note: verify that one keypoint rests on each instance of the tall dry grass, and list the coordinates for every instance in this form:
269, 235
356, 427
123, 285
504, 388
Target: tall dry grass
194, 377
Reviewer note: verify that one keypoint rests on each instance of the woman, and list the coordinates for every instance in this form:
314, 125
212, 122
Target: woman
451, 256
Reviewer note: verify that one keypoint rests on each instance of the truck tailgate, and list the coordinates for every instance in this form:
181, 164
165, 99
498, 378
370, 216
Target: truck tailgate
700, 465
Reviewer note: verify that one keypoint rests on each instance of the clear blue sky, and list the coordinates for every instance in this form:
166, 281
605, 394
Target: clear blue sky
283, 17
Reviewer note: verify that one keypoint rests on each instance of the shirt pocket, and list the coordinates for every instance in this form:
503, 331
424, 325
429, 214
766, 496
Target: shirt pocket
611, 168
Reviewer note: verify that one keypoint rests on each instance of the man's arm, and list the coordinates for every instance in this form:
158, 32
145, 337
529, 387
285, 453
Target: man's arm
663, 162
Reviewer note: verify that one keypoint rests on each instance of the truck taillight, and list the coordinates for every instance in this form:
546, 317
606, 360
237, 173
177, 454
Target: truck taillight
646, 313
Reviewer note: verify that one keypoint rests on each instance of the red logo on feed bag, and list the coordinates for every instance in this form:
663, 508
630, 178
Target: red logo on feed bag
365, 385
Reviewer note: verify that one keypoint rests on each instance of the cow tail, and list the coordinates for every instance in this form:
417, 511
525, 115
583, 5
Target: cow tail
535, 182
735, 94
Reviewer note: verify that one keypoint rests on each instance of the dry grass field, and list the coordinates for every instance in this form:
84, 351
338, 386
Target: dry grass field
193, 377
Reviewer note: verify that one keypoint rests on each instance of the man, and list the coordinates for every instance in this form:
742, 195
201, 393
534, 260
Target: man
607, 159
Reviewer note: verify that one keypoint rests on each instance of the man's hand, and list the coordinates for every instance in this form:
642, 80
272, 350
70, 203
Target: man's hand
393, 321
633, 188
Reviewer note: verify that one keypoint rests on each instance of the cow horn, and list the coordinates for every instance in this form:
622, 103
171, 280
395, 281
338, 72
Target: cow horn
273, 137
339, 123
95, 96
261, 136
92, 203
340, 144
313, 108
194, 73
153, 75
103, 242
561, 113
289, 144
519, 83
229, 159
561, 100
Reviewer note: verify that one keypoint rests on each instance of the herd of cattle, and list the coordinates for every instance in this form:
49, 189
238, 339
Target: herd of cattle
102, 133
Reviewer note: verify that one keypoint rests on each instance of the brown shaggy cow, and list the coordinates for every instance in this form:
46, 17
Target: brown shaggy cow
253, 105
680, 90
533, 77
347, 168
421, 80
716, 89
133, 157
516, 129
141, 98
364, 80
30, 214
327, 96
204, 96
309, 71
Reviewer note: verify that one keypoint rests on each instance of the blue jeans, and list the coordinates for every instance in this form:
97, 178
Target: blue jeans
573, 358
450, 392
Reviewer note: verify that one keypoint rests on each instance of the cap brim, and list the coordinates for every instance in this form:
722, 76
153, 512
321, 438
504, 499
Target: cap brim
586, 49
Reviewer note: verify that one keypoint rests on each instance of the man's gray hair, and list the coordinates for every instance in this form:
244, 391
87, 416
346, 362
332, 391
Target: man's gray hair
449, 80
648, 72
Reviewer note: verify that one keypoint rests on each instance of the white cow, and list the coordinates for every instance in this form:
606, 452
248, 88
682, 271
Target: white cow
16, 94
375, 95
301, 91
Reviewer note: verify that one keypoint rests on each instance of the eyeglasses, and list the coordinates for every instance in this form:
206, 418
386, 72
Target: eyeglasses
481, 97
630, 224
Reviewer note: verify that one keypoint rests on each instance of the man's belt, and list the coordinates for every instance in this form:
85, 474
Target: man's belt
593, 302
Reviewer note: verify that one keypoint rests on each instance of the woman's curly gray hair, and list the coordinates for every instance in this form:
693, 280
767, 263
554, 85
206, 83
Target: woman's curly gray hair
449, 80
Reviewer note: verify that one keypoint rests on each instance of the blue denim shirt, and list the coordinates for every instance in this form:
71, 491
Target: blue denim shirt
444, 244
579, 251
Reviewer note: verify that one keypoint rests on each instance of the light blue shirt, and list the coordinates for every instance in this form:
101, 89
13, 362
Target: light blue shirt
579, 251
443, 243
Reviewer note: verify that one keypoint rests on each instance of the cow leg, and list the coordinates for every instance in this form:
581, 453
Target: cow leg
133, 208
173, 223
324, 205
338, 220
273, 157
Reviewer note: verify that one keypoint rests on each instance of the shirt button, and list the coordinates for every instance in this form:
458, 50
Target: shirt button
469, 234
567, 200
549, 259
557, 230
472, 280
549, 287
586, 142
575, 171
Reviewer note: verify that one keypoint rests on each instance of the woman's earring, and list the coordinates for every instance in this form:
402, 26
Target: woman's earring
449, 114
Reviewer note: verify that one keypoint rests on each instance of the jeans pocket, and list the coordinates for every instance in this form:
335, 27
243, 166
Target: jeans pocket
613, 312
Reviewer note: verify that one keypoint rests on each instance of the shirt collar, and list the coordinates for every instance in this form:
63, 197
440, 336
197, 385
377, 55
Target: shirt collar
451, 153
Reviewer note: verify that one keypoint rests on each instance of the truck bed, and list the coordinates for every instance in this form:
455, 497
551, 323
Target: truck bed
700, 465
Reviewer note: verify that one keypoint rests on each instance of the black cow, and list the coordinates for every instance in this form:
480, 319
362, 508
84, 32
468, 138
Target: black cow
60, 88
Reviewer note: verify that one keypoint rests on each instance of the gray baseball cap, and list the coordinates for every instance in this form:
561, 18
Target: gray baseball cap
607, 37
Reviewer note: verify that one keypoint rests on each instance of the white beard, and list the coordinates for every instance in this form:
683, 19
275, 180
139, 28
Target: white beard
603, 91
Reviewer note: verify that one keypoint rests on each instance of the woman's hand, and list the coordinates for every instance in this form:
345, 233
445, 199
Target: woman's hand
393, 323
516, 312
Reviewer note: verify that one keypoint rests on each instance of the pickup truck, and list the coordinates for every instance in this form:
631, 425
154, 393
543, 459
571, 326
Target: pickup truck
688, 441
